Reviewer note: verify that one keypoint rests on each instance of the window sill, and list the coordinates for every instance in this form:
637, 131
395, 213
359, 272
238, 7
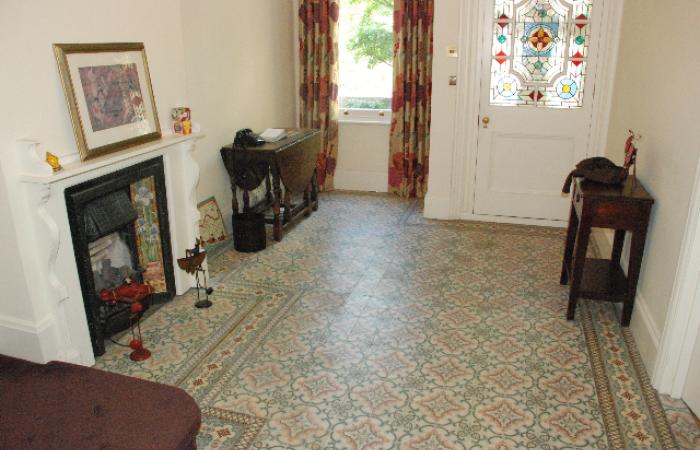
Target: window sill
365, 116
364, 122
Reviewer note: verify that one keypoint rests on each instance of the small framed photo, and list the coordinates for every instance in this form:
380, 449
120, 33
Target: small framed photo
109, 95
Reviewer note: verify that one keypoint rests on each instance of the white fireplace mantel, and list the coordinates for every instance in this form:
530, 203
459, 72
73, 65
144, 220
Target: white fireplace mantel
58, 330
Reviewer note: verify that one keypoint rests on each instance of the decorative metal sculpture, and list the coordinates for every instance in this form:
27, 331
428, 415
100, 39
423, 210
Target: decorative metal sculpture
631, 152
192, 264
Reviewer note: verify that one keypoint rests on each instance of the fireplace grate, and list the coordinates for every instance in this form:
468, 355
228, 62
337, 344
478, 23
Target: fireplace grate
106, 214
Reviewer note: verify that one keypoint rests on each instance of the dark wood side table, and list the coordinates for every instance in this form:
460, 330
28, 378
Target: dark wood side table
624, 208
289, 163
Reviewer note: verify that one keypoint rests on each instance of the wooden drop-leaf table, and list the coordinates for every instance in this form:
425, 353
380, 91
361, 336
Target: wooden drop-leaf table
289, 163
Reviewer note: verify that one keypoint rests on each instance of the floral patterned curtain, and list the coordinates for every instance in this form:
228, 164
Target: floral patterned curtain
410, 123
318, 58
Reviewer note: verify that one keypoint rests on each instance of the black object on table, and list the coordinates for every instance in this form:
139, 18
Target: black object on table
625, 208
290, 162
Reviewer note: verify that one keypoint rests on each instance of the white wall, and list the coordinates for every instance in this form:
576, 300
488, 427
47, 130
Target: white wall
12, 280
363, 157
240, 74
442, 129
35, 106
656, 94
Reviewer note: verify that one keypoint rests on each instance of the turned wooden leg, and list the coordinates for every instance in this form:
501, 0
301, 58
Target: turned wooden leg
314, 192
307, 202
580, 248
636, 252
246, 201
276, 209
268, 189
287, 206
569, 247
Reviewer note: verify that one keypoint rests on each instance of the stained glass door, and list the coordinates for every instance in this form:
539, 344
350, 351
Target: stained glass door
538, 73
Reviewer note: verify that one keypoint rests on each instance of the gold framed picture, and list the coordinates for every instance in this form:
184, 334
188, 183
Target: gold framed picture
109, 95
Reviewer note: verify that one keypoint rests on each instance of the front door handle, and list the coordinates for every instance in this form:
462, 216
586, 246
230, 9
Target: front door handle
486, 121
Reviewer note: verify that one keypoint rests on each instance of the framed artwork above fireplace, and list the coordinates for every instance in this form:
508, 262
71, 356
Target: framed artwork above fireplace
109, 95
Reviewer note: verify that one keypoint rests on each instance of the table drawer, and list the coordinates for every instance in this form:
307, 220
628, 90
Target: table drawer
619, 215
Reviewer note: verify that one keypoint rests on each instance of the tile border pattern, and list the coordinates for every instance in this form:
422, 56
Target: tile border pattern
658, 414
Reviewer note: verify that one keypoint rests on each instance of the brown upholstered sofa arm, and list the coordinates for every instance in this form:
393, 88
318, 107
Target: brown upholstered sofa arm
59, 405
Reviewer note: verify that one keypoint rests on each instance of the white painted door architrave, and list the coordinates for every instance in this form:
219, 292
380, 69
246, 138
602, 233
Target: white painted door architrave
677, 372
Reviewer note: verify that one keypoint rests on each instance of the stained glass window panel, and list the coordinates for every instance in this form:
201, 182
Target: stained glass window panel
540, 51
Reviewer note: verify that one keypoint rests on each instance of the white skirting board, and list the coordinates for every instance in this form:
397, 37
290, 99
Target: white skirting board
23, 336
437, 207
25, 339
646, 335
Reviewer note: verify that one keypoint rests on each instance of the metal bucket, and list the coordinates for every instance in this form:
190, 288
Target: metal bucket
249, 232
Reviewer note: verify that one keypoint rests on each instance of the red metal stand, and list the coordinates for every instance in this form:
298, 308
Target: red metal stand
132, 293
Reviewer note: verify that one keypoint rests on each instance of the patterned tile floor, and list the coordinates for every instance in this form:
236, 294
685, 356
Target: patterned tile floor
685, 426
369, 327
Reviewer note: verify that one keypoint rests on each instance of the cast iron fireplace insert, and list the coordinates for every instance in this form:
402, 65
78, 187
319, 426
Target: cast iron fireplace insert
97, 208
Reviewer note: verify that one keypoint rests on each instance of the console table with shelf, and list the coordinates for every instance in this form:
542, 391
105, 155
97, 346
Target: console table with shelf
623, 208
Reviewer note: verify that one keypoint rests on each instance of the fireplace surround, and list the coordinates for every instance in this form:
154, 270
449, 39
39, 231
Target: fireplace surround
51, 322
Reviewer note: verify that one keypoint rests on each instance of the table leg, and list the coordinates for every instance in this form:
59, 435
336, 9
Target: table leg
636, 251
569, 248
580, 248
618, 243
277, 220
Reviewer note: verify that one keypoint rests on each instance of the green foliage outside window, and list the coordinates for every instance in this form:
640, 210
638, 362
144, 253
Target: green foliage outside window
373, 39
365, 103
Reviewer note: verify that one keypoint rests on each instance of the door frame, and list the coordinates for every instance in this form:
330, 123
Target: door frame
297, 63
682, 325
468, 98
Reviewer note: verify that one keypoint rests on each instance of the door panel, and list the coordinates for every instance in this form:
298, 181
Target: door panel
537, 84
513, 180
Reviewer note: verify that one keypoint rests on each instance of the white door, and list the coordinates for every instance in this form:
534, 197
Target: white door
537, 84
691, 391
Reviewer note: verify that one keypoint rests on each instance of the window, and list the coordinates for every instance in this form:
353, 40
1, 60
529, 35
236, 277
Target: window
366, 60
540, 51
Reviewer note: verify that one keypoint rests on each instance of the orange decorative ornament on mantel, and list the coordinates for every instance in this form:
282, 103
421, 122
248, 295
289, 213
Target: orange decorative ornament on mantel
52, 160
